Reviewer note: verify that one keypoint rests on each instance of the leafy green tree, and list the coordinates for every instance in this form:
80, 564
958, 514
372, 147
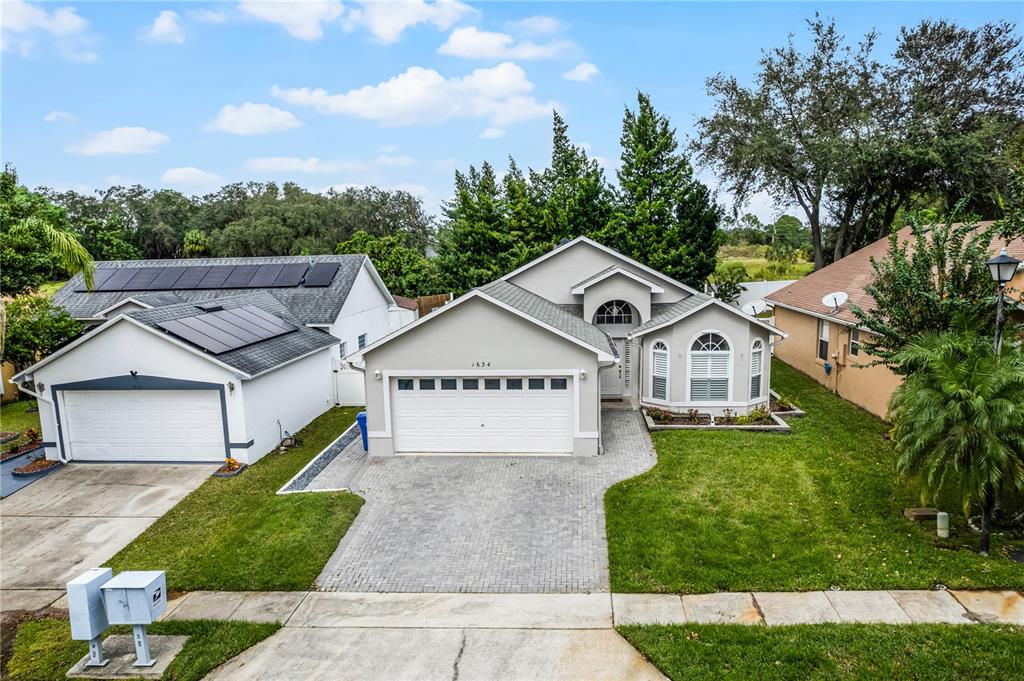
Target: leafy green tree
196, 244
958, 418
725, 281
35, 327
404, 270
663, 216
105, 239
926, 282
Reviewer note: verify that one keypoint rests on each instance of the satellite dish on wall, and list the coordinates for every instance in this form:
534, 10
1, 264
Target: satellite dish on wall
835, 300
755, 307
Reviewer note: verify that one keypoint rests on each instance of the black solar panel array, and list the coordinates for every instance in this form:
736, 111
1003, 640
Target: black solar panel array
224, 330
194, 277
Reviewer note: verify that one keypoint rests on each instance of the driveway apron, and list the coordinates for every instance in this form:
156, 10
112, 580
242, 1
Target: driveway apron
486, 523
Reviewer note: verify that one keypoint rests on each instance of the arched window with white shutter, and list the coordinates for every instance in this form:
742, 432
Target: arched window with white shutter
756, 368
710, 368
659, 370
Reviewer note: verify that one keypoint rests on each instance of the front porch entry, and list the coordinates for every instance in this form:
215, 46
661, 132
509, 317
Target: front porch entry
615, 380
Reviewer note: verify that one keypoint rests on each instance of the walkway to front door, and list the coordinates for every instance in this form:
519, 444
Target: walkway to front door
486, 524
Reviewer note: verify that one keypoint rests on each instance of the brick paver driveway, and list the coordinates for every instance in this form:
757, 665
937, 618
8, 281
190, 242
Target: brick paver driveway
484, 524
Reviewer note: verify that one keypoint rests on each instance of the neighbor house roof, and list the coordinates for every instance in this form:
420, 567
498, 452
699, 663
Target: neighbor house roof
852, 275
310, 305
250, 360
407, 303
670, 313
549, 313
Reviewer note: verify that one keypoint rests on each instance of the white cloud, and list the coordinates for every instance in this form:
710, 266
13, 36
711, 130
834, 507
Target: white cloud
301, 20
388, 20
537, 25
56, 116
500, 94
472, 43
582, 72
120, 141
253, 119
295, 164
492, 133
389, 149
207, 16
21, 24
192, 179
167, 28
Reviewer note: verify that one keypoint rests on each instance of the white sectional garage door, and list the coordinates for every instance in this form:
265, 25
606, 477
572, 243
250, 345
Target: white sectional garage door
144, 425
482, 415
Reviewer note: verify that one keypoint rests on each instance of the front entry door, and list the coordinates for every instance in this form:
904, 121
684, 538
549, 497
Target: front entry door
612, 377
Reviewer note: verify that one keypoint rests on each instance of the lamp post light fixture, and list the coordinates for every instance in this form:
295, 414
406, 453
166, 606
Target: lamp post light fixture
1002, 267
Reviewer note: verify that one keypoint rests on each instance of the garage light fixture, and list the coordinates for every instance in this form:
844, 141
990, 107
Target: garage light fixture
377, 374
583, 374
231, 387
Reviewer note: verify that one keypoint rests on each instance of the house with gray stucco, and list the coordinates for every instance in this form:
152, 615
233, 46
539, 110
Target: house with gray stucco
522, 364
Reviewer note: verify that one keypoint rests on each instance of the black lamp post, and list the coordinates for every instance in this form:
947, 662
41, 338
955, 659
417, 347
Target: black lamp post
1002, 267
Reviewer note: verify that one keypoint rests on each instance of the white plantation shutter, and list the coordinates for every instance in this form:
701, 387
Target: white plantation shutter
710, 359
659, 371
756, 355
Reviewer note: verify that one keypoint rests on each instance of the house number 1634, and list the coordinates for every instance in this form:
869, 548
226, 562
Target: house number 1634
479, 364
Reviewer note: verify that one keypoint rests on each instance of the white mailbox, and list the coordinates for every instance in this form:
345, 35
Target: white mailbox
85, 604
135, 597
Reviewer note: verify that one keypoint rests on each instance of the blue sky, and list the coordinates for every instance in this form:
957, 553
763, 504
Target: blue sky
193, 95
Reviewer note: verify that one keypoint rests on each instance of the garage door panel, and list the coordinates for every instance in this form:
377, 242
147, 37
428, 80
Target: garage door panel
482, 420
144, 425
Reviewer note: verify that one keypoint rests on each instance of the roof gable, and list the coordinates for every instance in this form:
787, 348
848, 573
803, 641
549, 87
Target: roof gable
675, 312
615, 271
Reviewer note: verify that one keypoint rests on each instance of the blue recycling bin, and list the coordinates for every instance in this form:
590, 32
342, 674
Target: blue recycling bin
361, 420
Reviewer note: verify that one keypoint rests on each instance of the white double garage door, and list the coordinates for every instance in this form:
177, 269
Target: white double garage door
486, 414
143, 425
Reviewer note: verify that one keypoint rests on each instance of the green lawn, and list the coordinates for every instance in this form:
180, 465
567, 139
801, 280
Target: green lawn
757, 268
44, 651
821, 507
15, 416
833, 651
236, 534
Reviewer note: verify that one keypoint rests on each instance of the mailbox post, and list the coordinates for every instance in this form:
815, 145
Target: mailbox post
85, 608
137, 598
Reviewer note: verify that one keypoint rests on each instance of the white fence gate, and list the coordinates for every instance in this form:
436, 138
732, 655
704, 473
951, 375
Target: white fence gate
349, 388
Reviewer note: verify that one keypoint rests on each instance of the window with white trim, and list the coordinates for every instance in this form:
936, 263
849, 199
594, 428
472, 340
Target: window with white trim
710, 362
344, 349
756, 368
362, 341
823, 331
854, 341
614, 312
659, 370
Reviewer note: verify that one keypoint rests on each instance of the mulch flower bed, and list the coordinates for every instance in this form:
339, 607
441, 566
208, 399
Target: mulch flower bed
667, 418
34, 468
230, 469
14, 452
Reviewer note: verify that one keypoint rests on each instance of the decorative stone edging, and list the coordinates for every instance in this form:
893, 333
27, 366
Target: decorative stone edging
18, 473
779, 427
319, 462
795, 413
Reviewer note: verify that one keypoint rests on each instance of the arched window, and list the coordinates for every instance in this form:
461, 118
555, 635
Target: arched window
756, 368
659, 370
614, 312
710, 368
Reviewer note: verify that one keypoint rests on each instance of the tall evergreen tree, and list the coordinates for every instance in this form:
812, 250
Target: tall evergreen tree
664, 216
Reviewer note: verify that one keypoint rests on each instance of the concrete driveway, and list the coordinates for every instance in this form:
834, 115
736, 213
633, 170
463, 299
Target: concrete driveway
80, 516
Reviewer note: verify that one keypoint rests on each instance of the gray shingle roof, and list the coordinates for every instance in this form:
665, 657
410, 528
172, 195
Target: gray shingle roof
309, 305
258, 357
666, 312
549, 313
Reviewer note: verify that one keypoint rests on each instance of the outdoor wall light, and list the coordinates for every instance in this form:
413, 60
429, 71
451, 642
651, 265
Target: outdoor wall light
583, 374
231, 387
40, 387
377, 374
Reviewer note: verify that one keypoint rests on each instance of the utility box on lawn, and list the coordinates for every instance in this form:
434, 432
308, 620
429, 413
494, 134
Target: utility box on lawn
86, 612
136, 597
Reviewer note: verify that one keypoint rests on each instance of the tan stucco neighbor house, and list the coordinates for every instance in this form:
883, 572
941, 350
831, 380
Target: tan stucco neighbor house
818, 335
522, 364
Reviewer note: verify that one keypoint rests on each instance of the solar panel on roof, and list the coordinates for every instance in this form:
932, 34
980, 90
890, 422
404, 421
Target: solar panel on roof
143, 277
265, 276
165, 279
321, 274
291, 275
191, 277
116, 281
225, 330
240, 276
98, 277
216, 277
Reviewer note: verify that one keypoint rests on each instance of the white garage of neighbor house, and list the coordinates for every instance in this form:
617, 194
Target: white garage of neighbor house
522, 365
185, 382
340, 294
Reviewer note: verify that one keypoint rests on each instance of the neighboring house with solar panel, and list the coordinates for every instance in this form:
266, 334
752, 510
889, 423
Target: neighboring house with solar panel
522, 365
195, 360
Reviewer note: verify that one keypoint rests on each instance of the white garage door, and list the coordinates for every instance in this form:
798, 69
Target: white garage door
482, 415
144, 425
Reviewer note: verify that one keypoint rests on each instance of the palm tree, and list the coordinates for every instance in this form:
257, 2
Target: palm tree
959, 419
66, 249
